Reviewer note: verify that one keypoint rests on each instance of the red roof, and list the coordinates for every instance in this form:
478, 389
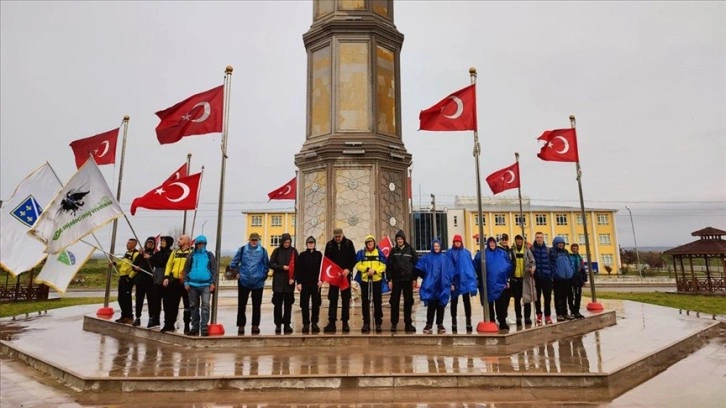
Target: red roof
715, 247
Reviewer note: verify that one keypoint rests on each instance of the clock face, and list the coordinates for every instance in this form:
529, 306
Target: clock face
392, 221
391, 186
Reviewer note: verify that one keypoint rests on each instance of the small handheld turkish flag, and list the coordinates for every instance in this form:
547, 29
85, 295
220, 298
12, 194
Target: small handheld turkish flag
385, 245
291, 266
101, 146
504, 179
287, 192
455, 112
560, 145
181, 194
197, 115
333, 274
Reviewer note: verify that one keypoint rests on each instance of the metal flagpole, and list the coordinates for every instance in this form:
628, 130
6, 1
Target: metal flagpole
519, 191
184, 224
409, 184
106, 310
593, 306
214, 327
196, 206
294, 231
485, 325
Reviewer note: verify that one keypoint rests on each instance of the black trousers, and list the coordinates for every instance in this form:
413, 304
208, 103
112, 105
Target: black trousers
155, 302
563, 291
405, 288
144, 284
125, 285
308, 292
515, 289
466, 299
333, 293
243, 294
544, 289
374, 288
499, 306
576, 298
171, 295
283, 308
435, 309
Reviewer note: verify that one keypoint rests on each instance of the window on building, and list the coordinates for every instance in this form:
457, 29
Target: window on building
604, 239
579, 219
547, 239
476, 220
256, 220
541, 219
293, 221
500, 219
275, 240
498, 237
602, 219
520, 220
456, 221
607, 259
561, 219
277, 220
566, 237
581, 239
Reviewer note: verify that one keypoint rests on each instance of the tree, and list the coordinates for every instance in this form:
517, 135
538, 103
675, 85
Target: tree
653, 259
628, 256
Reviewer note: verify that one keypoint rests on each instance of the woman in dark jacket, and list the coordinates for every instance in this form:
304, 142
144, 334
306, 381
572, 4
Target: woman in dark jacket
282, 263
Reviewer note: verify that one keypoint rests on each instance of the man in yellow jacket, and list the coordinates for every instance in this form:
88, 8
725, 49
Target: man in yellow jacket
371, 265
126, 282
173, 286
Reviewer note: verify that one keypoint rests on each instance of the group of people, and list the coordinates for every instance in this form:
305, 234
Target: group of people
527, 274
166, 276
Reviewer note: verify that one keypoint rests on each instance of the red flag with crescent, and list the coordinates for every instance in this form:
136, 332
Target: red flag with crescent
455, 112
101, 146
385, 245
291, 266
197, 115
333, 274
287, 192
560, 145
181, 194
183, 171
504, 179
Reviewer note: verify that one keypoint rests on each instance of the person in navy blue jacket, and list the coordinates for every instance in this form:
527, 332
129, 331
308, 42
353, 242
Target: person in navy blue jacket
542, 278
561, 277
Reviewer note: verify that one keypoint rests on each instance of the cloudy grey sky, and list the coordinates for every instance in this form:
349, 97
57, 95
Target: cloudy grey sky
647, 82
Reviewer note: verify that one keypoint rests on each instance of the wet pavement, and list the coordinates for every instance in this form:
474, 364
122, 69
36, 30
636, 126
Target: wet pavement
641, 330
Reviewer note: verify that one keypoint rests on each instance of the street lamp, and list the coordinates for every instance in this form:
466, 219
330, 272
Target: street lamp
637, 256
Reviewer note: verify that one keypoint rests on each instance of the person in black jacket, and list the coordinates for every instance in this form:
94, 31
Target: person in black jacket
143, 281
282, 263
307, 275
341, 251
402, 279
158, 263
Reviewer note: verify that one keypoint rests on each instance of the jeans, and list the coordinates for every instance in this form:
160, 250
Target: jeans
197, 296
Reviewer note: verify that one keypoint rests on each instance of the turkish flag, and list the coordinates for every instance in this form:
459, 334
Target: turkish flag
504, 179
455, 112
286, 192
180, 194
333, 274
560, 145
291, 265
183, 171
101, 146
197, 115
385, 245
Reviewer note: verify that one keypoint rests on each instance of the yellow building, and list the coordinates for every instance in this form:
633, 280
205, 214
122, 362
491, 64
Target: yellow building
270, 224
502, 216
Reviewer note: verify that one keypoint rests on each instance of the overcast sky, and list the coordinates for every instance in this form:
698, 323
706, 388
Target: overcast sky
647, 82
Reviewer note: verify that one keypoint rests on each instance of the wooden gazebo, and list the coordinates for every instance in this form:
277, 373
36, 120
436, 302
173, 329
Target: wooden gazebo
709, 246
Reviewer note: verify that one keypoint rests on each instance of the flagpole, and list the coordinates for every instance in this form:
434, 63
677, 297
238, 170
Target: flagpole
594, 305
214, 327
485, 325
196, 206
297, 191
184, 224
409, 184
106, 310
519, 191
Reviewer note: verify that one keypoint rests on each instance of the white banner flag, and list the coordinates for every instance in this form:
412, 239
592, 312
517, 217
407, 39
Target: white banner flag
60, 269
18, 251
84, 205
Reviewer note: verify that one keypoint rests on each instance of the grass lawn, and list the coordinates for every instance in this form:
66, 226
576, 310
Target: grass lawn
20, 308
697, 303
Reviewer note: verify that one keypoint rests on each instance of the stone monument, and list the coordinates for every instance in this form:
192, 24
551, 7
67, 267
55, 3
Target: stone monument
353, 166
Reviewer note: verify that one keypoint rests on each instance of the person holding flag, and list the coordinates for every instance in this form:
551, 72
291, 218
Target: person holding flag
341, 251
307, 276
371, 265
143, 281
158, 262
282, 263
463, 282
126, 281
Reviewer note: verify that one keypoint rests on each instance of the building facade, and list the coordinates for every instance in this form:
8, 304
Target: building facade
270, 224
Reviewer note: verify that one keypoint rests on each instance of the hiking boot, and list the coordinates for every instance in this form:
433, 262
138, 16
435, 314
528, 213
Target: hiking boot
306, 329
427, 329
503, 326
330, 328
365, 329
454, 329
570, 317
136, 323
255, 329
440, 329
539, 318
152, 324
527, 322
579, 316
278, 329
166, 328
519, 322
288, 329
192, 332
548, 320
346, 328
410, 328
560, 318
379, 328
469, 329
205, 333
393, 328
315, 328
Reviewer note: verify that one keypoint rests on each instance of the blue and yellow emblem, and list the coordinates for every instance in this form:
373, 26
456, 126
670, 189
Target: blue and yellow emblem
27, 211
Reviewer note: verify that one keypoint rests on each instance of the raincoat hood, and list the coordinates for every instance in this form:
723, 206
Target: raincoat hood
557, 240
